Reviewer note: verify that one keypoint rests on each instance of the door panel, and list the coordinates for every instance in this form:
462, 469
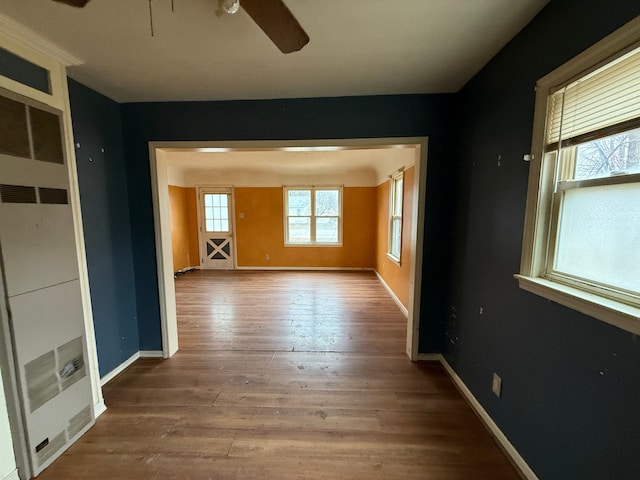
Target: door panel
216, 217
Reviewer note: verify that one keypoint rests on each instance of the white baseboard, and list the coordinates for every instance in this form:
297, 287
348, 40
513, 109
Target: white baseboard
119, 369
187, 269
311, 269
502, 439
402, 308
12, 475
430, 357
151, 354
99, 408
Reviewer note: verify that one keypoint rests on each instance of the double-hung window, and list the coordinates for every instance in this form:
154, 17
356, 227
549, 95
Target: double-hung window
582, 233
313, 215
396, 187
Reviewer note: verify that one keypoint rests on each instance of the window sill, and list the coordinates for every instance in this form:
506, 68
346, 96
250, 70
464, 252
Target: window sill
307, 245
394, 259
610, 311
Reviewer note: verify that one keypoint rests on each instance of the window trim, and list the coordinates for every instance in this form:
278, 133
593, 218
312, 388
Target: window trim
312, 189
392, 203
535, 245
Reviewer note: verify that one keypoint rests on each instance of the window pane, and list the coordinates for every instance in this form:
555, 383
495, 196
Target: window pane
216, 212
299, 230
299, 202
326, 230
598, 235
397, 200
396, 235
327, 204
616, 154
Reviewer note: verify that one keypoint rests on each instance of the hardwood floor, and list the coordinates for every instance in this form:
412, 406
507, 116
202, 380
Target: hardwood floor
283, 376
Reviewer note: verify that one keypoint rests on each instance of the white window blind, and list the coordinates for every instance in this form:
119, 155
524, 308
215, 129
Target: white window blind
607, 97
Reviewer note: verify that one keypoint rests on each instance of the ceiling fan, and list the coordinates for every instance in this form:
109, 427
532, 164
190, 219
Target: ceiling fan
272, 16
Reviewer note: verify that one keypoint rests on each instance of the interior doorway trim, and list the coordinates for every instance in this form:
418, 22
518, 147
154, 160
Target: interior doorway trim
162, 225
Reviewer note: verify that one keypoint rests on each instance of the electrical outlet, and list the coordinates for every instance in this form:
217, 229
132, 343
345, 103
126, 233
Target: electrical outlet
266, 257
496, 385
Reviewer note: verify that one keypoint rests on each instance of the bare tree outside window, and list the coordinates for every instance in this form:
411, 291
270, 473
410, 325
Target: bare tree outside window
313, 215
614, 155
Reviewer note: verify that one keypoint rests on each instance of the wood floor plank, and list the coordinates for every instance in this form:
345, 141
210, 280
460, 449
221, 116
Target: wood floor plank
285, 375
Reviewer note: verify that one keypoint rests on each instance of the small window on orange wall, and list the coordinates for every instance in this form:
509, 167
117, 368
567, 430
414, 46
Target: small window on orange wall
396, 187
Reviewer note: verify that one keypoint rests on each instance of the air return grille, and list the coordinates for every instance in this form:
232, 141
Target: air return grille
51, 447
30, 132
27, 194
53, 196
17, 194
13, 120
54, 372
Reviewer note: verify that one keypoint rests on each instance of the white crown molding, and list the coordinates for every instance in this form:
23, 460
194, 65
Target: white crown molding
32, 39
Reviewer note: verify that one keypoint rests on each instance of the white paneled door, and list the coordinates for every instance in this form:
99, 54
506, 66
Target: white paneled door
216, 227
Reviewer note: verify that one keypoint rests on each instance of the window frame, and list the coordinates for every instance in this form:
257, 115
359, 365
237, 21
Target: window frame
537, 248
312, 217
393, 215
204, 210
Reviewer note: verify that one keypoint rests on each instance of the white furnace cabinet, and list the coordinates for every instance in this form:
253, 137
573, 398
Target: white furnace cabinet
43, 313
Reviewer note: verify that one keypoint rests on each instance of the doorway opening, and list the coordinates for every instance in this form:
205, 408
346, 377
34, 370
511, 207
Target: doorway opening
161, 153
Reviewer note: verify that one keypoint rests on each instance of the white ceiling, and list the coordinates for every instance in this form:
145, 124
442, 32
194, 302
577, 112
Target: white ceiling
350, 166
357, 47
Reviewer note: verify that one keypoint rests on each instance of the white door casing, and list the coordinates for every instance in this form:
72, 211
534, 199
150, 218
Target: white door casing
158, 152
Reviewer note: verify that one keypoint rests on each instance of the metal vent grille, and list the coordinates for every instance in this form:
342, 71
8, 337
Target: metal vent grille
47, 136
78, 422
13, 125
47, 451
53, 196
17, 194
41, 379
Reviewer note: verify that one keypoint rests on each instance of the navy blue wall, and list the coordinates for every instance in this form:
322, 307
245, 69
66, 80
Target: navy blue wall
97, 125
320, 118
571, 383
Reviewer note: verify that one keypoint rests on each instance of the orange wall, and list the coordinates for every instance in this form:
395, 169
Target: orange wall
261, 231
396, 276
184, 227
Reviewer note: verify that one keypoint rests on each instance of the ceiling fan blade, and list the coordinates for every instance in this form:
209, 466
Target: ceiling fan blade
74, 3
277, 21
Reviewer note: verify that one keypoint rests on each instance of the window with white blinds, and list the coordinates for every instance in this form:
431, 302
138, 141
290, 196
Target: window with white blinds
582, 230
596, 104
